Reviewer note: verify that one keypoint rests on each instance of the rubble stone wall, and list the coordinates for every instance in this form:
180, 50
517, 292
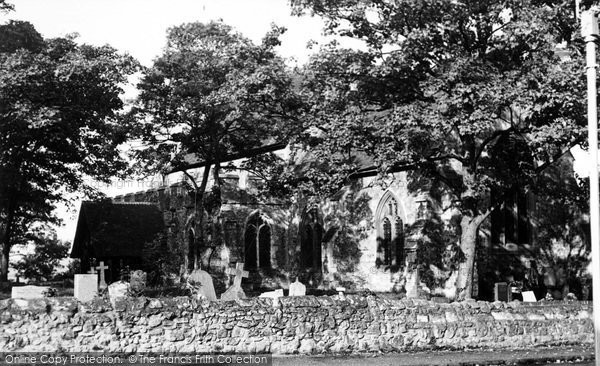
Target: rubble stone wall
326, 324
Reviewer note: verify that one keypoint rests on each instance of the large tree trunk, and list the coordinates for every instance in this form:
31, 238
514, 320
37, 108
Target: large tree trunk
4, 261
6, 240
468, 244
199, 222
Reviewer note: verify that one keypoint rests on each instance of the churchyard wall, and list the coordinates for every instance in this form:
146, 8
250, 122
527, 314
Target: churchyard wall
308, 324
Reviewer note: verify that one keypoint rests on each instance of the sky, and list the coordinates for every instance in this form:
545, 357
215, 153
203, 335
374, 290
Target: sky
138, 27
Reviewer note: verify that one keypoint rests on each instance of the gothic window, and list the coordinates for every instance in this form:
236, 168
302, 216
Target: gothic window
390, 232
385, 254
311, 235
257, 239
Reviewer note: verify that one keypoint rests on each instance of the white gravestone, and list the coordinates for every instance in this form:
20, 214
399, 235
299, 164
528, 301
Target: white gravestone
297, 289
412, 283
202, 282
272, 294
235, 292
529, 296
118, 290
86, 287
29, 292
275, 295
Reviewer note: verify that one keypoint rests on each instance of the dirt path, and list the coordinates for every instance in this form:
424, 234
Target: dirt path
580, 355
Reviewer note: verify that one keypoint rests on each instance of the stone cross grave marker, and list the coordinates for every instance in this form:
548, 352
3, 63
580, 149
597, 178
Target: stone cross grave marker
239, 274
297, 288
235, 291
101, 269
85, 287
29, 292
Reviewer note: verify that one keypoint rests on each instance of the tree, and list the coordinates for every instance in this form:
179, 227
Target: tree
212, 95
6, 7
59, 126
43, 262
481, 95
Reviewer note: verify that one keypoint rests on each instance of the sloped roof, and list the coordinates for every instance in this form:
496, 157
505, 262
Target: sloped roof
115, 229
191, 161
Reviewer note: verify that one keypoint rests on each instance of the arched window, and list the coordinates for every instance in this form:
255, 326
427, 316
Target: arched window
390, 232
257, 240
311, 235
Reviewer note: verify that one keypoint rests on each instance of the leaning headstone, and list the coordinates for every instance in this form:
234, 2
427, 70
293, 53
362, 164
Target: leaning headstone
297, 289
85, 287
202, 284
137, 282
117, 290
235, 292
29, 292
502, 292
529, 296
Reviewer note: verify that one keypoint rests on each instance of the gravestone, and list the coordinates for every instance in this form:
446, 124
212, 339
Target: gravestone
202, 283
412, 283
297, 288
235, 292
529, 296
29, 292
275, 295
272, 294
85, 287
340, 290
137, 282
92, 271
502, 292
101, 268
118, 290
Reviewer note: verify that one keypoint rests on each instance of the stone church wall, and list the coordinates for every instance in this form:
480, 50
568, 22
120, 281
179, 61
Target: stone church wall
349, 257
294, 325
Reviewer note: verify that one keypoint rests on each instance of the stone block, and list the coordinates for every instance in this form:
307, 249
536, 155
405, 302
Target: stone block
85, 287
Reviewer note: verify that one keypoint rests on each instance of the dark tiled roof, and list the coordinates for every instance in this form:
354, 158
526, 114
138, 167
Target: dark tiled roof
109, 229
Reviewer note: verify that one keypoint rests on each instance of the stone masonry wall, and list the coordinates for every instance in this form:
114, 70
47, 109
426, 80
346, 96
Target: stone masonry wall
292, 325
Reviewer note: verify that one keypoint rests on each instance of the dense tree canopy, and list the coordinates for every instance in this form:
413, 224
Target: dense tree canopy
59, 125
213, 94
478, 94
43, 263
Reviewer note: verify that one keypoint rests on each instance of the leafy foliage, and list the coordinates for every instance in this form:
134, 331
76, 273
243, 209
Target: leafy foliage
351, 230
42, 264
481, 95
211, 96
59, 125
